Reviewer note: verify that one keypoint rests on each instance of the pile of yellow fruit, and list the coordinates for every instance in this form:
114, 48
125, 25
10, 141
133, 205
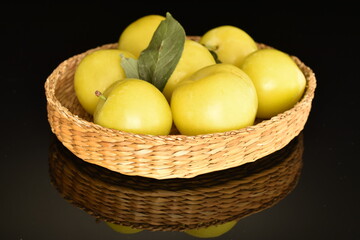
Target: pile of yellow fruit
158, 77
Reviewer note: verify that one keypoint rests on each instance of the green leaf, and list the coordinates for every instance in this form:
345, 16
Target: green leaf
158, 61
130, 66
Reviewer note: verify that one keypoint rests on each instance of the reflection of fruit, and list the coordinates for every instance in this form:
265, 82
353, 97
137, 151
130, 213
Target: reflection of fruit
97, 71
278, 80
137, 35
194, 57
230, 43
123, 229
212, 231
217, 98
135, 106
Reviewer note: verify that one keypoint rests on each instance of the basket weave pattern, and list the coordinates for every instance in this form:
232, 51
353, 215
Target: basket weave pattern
171, 156
176, 204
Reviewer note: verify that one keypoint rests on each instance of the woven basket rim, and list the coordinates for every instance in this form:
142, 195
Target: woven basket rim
50, 87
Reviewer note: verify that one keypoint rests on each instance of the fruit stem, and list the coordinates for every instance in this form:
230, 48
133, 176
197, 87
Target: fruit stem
100, 95
211, 47
212, 50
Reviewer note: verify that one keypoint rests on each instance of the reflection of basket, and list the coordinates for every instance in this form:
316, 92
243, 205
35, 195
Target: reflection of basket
176, 204
171, 156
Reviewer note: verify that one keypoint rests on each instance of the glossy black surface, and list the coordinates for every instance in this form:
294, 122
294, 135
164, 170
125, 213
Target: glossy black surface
324, 200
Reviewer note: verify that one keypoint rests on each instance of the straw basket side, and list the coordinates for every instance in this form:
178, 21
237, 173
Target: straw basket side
176, 204
170, 156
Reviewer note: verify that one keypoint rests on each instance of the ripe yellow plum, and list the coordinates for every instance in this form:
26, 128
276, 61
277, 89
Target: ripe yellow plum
216, 98
97, 71
230, 43
279, 82
135, 106
137, 35
194, 57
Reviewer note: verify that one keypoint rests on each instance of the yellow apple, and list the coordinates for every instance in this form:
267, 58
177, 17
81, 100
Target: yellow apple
135, 106
216, 98
97, 71
230, 43
194, 57
279, 82
137, 35
212, 231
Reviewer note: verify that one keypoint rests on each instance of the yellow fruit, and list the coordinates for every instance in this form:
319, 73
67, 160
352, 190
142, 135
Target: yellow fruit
230, 43
279, 82
212, 231
137, 35
135, 106
97, 71
216, 98
194, 57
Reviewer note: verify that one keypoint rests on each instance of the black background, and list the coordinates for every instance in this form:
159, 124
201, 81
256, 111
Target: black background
36, 38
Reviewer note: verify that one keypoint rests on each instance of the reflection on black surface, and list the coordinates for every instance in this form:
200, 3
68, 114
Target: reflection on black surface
176, 204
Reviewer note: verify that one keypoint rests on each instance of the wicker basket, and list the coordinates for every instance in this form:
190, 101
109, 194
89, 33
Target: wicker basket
170, 156
176, 204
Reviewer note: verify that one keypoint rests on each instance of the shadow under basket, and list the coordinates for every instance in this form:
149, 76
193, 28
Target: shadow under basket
170, 156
